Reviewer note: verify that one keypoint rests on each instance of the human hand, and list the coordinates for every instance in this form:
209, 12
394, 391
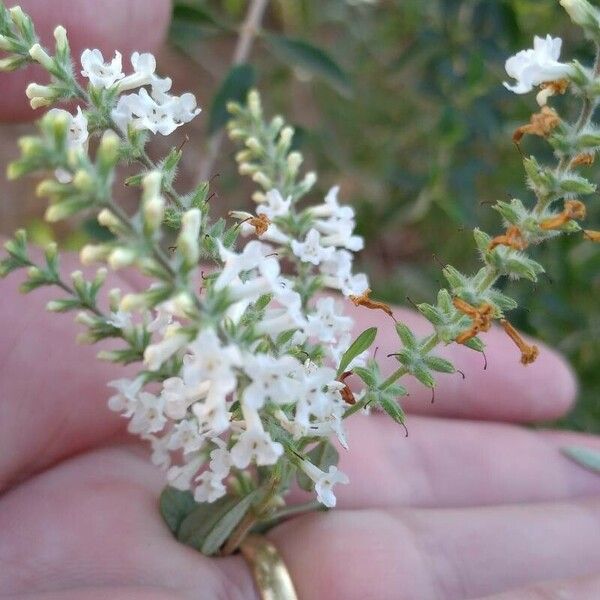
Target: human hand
460, 509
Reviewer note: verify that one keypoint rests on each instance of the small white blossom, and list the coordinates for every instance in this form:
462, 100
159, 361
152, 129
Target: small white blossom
274, 205
273, 380
253, 255
337, 274
210, 487
101, 74
180, 477
125, 398
119, 319
77, 136
324, 482
179, 397
157, 354
536, 65
209, 360
220, 461
148, 415
185, 436
311, 250
142, 111
328, 322
254, 444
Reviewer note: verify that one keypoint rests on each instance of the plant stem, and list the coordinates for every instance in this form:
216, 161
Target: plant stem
248, 32
252, 517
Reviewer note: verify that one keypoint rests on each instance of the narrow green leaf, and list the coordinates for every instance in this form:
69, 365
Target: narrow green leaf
313, 59
367, 376
439, 364
585, 457
194, 15
208, 526
175, 506
392, 408
361, 343
234, 88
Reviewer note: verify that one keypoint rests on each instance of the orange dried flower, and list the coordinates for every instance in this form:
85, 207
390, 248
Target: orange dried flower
513, 238
593, 236
346, 392
364, 300
528, 352
481, 317
584, 159
573, 210
541, 123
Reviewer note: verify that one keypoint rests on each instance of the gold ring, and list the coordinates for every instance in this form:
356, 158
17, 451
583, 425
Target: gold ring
268, 569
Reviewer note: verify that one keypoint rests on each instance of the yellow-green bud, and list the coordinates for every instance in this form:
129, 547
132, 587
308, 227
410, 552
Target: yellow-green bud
262, 180
41, 56
187, 242
92, 253
121, 257
83, 181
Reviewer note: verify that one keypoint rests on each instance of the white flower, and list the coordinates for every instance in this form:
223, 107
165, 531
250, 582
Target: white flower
157, 354
273, 379
324, 482
210, 361
220, 460
162, 320
160, 453
179, 397
212, 416
148, 416
144, 73
180, 477
142, 111
327, 323
311, 249
536, 65
320, 396
274, 205
337, 274
100, 73
125, 398
185, 436
254, 444
119, 319
210, 487
253, 255
77, 136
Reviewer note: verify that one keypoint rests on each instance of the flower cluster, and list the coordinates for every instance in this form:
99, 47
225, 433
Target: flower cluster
244, 348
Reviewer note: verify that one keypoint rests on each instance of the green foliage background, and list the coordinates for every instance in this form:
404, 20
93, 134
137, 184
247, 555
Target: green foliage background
401, 101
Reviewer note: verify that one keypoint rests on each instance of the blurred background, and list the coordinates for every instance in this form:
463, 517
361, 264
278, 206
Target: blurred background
401, 103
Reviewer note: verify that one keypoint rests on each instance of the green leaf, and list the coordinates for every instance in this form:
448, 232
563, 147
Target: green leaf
312, 59
585, 457
208, 526
194, 15
392, 408
175, 506
367, 376
234, 88
361, 343
323, 455
407, 337
441, 365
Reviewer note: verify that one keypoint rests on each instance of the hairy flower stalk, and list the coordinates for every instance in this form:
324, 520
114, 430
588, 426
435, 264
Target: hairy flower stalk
243, 355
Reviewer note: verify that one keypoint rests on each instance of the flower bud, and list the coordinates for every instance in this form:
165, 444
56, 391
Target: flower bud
584, 14
187, 242
41, 56
92, 253
60, 35
262, 180
121, 257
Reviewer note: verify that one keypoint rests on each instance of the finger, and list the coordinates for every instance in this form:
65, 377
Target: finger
53, 392
126, 25
505, 391
92, 523
452, 553
448, 463
580, 588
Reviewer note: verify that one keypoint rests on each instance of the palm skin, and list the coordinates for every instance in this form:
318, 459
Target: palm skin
468, 506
